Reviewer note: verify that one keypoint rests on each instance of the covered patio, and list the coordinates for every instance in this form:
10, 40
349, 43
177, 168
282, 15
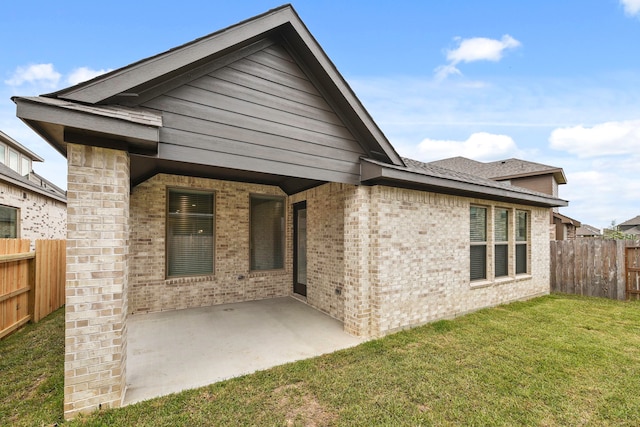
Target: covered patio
171, 351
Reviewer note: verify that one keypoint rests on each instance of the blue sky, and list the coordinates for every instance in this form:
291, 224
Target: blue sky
554, 82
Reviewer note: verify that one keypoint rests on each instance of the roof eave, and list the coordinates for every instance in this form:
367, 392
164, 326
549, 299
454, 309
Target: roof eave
375, 173
32, 188
135, 137
19, 147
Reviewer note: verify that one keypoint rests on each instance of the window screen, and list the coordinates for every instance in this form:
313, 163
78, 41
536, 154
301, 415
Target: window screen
267, 237
190, 233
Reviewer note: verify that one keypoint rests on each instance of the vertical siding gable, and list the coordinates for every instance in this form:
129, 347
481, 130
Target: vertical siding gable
262, 103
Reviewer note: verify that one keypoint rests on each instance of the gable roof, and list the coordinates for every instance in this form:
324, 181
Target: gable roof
19, 147
502, 170
196, 110
631, 222
587, 230
133, 84
566, 220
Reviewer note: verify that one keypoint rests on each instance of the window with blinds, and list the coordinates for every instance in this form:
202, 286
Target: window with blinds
190, 237
501, 242
478, 249
267, 232
522, 242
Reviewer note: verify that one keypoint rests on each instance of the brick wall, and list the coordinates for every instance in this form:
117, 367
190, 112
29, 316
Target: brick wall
96, 287
325, 247
420, 259
40, 217
232, 280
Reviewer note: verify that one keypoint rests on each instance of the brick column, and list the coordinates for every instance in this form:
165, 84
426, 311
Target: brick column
357, 291
97, 274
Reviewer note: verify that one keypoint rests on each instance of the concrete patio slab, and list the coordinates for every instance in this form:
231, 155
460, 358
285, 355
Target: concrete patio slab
172, 351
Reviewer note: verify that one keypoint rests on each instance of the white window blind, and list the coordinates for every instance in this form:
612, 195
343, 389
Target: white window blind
190, 237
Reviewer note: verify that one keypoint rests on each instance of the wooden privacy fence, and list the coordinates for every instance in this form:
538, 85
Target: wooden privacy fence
31, 283
632, 265
593, 267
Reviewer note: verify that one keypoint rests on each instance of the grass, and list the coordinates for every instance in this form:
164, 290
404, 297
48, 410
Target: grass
553, 361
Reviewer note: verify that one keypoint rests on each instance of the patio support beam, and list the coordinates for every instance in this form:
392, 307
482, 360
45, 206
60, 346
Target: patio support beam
97, 275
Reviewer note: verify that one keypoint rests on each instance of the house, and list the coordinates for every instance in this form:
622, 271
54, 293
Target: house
241, 166
631, 226
522, 173
565, 228
588, 231
30, 206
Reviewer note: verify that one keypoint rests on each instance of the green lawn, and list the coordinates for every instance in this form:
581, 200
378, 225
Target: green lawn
553, 361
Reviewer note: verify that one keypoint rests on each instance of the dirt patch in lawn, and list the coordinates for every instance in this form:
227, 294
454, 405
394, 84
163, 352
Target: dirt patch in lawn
301, 407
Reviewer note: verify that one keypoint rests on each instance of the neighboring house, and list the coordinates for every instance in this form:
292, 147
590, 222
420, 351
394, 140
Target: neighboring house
30, 206
522, 173
631, 226
588, 231
241, 166
565, 228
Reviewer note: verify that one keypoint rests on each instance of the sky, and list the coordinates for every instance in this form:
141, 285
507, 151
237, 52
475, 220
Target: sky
553, 82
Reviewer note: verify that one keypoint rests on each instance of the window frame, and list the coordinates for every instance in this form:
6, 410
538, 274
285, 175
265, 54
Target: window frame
519, 243
17, 156
183, 190
24, 160
477, 243
274, 197
501, 243
17, 222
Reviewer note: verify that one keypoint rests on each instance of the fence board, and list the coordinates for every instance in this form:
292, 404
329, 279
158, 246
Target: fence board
632, 272
31, 284
50, 277
14, 276
593, 267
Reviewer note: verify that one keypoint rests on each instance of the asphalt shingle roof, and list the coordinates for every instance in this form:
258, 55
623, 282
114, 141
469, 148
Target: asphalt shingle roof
501, 169
433, 169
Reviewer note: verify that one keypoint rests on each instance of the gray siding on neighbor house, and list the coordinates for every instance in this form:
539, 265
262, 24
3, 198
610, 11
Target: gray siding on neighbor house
260, 113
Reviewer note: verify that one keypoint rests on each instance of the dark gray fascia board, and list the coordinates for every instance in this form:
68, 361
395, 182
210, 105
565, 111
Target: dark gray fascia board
140, 136
122, 80
375, 173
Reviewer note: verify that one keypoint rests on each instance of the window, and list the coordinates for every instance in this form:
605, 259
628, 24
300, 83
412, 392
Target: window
3, 154
522, 225
25, 167
189, 233
8, 222
13, 160
267, 237
478, 251
501, 242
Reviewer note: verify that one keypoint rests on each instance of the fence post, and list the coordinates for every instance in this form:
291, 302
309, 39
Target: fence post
32, 291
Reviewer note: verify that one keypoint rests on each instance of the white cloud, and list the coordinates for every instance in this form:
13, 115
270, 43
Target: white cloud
631, 7
481, 49
38, 74
475, 49
83, 74
480, 146
605, 139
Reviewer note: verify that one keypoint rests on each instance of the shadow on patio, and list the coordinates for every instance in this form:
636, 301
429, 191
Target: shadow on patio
177, 350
